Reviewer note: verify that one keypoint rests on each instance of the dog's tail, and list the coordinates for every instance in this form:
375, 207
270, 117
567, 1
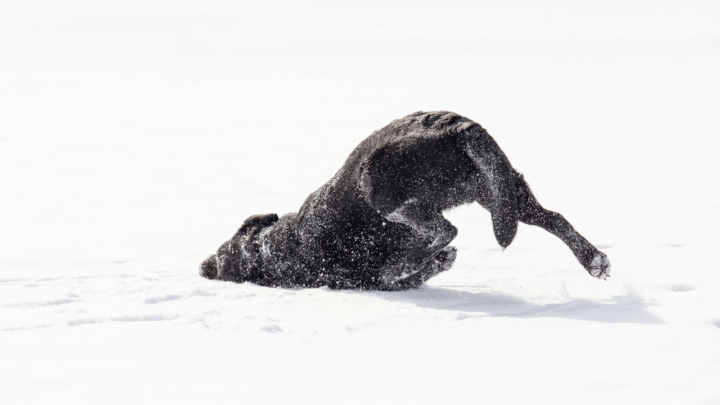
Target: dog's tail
500, 176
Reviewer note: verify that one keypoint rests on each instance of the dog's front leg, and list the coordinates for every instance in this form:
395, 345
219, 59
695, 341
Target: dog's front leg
532, 213
433, 232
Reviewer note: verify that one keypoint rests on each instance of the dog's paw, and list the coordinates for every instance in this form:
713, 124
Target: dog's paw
600, 266
393, 276
446, 258
411, 274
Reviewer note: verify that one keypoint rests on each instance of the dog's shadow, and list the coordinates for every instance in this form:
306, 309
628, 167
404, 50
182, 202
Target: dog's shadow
625, 309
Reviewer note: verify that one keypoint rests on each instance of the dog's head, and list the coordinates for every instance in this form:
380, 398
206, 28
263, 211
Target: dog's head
236, 258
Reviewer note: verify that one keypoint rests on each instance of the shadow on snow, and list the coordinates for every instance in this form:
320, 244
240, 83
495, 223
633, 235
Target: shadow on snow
626, 309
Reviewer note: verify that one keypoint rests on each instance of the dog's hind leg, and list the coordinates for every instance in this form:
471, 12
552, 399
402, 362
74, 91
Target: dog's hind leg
433, 232
499, 196
532, 213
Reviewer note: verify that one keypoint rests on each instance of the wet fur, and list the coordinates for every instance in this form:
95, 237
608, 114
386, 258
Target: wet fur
378, 224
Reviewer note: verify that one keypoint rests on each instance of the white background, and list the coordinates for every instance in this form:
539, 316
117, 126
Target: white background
136, 136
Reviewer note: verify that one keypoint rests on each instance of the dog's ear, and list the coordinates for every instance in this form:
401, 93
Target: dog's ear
257, 222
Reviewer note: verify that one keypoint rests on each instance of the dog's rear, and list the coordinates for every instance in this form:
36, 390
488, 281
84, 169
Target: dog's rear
435, 161
408, 180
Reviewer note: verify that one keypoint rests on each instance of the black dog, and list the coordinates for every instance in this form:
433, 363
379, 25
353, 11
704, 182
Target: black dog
378, 223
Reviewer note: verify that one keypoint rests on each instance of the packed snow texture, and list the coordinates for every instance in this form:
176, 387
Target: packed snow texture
137, 136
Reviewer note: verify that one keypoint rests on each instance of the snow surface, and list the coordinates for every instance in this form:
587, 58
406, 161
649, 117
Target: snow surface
136, 136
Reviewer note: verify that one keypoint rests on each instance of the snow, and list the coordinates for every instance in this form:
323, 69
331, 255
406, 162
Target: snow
136, 137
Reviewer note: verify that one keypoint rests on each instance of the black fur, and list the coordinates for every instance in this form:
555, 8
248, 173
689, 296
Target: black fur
378, 224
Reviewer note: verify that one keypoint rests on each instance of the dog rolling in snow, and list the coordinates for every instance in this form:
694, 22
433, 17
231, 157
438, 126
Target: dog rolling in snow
378, 223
